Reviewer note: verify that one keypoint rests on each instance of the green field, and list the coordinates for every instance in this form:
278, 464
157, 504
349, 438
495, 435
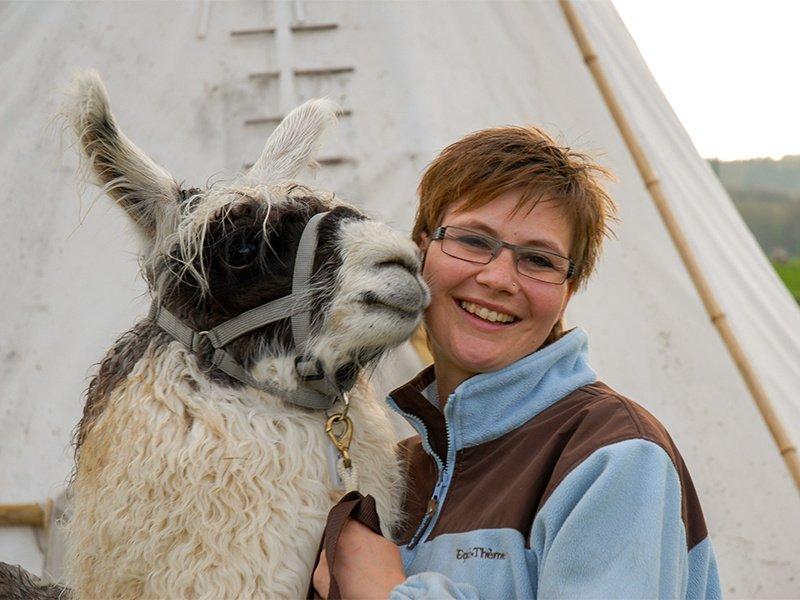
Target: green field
790, 273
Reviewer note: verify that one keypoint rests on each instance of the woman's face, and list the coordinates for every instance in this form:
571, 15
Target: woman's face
463, 343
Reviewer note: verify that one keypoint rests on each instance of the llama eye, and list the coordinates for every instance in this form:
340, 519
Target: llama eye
241, 252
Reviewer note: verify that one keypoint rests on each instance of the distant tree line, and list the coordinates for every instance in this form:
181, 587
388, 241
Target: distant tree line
767, 194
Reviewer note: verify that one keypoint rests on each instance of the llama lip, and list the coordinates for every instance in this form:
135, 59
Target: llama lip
408, 305
381, 306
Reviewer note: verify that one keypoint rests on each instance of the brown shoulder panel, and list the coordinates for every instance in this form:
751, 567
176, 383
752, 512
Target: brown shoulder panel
504, 482
613, 419
421, 475
411, 400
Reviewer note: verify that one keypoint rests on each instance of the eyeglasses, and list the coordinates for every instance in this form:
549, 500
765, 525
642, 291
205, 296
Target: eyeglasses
479, 248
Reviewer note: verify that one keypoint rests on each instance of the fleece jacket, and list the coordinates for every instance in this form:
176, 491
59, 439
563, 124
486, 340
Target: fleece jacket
538, 481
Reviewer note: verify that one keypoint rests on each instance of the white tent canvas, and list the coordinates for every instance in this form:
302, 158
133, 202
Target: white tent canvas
198, 86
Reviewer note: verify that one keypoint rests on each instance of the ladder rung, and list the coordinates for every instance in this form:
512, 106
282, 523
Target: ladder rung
301, 72
335, 160
264, 120
298, 27
327, 161
258, 31
278, 118
324, 71
265, 75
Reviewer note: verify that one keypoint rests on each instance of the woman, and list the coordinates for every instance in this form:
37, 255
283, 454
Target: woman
529, 478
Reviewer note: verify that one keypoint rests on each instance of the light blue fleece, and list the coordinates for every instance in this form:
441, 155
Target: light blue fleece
611, 529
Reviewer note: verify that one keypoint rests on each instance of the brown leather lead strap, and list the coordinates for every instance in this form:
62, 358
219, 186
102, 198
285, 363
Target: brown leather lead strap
354, 506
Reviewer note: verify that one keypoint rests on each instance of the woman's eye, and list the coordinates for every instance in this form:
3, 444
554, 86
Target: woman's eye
474, 241
538, 261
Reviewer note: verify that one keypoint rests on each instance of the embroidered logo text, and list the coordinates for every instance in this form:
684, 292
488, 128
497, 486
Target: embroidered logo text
464, 554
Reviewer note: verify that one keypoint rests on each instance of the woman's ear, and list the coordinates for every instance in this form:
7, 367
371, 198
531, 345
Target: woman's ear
424, 240
570, 292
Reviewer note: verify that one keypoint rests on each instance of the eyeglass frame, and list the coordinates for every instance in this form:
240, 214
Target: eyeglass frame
440, 232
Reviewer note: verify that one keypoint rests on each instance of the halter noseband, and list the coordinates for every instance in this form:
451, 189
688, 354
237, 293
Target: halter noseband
317, 390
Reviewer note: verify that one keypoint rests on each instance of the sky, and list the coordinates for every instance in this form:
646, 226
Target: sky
729, 69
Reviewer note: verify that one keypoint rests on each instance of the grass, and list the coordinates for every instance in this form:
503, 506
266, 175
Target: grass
789, 272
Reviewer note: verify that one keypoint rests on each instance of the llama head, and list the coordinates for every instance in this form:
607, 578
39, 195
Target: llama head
212, 254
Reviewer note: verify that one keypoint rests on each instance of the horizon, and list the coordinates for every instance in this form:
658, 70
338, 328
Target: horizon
773, 159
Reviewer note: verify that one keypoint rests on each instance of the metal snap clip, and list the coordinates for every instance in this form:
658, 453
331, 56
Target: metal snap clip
341, 440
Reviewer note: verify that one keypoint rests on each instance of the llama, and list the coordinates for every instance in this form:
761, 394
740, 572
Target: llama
199, 471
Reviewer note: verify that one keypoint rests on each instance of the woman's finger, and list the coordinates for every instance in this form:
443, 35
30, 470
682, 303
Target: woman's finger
321, 577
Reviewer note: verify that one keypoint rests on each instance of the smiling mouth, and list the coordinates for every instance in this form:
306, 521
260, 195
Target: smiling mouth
490, 316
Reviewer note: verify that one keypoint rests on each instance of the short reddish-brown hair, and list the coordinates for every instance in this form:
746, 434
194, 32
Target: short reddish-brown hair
486, 164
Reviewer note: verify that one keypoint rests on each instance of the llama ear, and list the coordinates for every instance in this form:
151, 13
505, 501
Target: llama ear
128, 175
292, 146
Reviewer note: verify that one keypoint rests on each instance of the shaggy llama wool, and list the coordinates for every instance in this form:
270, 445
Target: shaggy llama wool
189, 489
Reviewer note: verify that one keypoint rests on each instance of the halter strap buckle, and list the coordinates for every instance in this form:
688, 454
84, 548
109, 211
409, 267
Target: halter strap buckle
309, 368
317, 391
197, 338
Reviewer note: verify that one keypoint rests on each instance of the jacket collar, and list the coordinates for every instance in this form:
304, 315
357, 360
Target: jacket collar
488, 405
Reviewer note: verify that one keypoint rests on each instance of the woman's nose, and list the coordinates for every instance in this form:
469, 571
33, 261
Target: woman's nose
500, 273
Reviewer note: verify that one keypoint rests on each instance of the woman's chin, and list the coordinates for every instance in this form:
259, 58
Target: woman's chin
482, 360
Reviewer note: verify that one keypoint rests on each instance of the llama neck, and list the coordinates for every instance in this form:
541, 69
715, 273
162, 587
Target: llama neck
210, 491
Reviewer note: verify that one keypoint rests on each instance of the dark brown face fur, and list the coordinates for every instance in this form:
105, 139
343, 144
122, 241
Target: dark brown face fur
244, 271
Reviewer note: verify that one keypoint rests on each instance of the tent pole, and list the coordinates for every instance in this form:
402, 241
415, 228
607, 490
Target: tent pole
23, 514
653, 185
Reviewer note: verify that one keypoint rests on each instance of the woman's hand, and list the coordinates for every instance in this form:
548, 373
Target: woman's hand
367, 565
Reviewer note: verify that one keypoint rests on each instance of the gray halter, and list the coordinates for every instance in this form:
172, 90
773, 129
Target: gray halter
318, 391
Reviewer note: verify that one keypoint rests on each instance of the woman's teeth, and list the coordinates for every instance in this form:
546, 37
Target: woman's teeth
486, 314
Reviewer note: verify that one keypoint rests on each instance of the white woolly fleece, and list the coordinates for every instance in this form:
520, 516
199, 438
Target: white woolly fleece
190, 490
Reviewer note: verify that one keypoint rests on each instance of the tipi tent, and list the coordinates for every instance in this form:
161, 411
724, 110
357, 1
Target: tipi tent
200, 85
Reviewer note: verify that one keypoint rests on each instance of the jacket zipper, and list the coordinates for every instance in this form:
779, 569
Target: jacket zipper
438, 491
433, 505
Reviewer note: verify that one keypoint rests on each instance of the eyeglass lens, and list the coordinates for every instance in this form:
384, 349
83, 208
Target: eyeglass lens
474, 247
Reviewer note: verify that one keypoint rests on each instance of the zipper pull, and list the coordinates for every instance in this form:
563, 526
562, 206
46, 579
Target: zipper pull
432, 504
426, 518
